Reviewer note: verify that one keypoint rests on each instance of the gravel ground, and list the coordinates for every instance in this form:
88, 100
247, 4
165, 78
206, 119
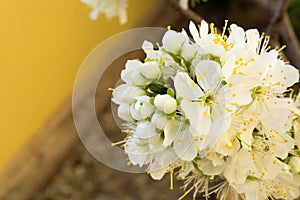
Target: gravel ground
81, 177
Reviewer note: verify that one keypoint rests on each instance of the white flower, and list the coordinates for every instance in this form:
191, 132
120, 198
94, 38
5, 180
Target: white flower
109, 8
142, 108
214, 110
137, 150
294, 163
165, 103
132, 73
205, 104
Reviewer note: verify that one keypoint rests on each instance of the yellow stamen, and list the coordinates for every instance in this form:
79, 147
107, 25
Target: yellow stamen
171, 180
186, 193
117, 143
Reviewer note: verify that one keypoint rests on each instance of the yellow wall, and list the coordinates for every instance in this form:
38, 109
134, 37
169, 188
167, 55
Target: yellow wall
42, 44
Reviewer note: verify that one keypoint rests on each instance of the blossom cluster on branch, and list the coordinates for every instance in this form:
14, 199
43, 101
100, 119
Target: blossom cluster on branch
215, 111
111, 8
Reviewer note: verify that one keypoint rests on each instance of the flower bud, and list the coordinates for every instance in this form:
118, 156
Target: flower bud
150, 70
124, 112
126, 94
165, 103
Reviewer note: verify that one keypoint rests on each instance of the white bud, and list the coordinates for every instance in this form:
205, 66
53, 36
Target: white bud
159, 121
294, 163
165, 103
173, 41
150, 70
124, 112
126, 94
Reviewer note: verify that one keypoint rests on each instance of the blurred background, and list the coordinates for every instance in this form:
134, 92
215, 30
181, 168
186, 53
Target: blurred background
42, 45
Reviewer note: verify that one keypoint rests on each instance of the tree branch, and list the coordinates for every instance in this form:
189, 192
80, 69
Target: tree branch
287, 33
275, 22
187, 13
290, 39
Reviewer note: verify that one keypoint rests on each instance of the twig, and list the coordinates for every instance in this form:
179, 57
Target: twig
275, 23
287, 33
290, 39
187, 13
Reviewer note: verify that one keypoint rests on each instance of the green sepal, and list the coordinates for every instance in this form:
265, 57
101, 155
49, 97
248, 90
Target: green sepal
171, 92
171, 115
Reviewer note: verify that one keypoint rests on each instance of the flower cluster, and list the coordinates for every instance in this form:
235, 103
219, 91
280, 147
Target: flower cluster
215, 109
110, 8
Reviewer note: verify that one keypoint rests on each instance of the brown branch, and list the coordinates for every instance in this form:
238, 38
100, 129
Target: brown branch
290, 39
187, 13
275, 22
287, 33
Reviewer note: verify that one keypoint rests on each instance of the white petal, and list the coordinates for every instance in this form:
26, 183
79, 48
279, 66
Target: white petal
280, 143
227, 68
282, 76
124, 112
137, 154
207, 167
195, 114
150, 70
145, 130
237, 34
238, 167
184, 146
194, 31
185, 87
149, 50
188, 51
252, 36
203, 29
172, 129
173, 41
159, 121
208, 75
